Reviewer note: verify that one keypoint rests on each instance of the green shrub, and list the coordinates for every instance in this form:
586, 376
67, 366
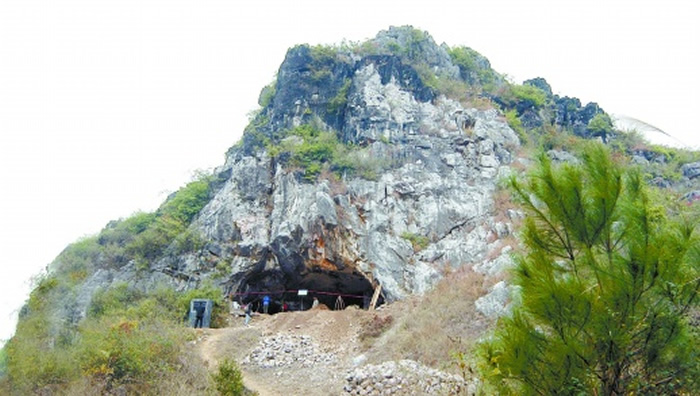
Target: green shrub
78, 256
318, 150
3, 361
188, 201
529, 96
419, 242
115, 299
189, 241
473, 67
228, 379
267, 94
123, 351
600, 125
322, 53
517, 125
338, 102
35, 356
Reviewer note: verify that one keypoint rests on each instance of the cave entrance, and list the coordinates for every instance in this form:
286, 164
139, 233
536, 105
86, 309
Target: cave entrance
334, 289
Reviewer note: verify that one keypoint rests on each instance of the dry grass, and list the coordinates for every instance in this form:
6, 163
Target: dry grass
373, 327
191, 378
502, 203
435, 328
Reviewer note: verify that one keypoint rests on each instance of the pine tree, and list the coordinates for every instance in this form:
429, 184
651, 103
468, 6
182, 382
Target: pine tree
603, 290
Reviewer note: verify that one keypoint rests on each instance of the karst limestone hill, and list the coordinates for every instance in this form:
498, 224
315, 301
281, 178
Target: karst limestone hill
367, 164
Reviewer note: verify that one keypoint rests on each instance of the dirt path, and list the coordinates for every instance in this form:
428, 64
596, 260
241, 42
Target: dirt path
216, 345
334, 330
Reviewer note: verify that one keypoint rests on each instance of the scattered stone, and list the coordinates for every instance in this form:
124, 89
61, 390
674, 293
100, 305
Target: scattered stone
285, 350
405, 377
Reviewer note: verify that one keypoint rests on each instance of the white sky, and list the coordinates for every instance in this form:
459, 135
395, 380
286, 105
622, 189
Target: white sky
106, 105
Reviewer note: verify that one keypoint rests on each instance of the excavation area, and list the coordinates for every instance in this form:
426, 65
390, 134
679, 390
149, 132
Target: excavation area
273, 292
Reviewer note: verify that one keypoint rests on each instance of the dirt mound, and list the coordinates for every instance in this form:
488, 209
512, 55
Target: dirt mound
279, 354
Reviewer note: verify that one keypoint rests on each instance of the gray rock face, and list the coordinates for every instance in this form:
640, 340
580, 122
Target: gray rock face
495, 303
692, 196
427, 210
691, 170
417, 44
562, 156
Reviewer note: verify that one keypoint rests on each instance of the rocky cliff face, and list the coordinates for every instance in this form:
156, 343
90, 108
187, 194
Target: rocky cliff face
425, 209
362, 168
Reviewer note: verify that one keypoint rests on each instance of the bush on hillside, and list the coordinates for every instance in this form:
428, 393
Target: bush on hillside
228, 379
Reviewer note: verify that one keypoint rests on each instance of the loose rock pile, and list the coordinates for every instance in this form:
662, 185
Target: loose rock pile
405, 377
287, 350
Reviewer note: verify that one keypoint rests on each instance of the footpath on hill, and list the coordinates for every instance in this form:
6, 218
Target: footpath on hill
289, 353
321, 352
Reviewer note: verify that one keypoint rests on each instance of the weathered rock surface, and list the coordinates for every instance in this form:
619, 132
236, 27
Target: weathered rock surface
495, 302
268, 228
691, 170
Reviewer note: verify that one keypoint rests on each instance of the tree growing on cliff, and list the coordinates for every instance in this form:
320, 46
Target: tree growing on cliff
601, 126
604, 288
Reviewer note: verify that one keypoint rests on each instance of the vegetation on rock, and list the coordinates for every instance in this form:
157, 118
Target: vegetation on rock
606, 284
605, 287
129, 338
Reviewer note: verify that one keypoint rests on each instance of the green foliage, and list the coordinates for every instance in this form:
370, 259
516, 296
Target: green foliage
338, 102
473, 67
3, 361
123, 351
115, 299
169, 224
228, 379
36, 355
187, 201
323, 53
32, 364
315, 151
79, 257
142, 237
128, 338
605, 288
439, 83
600, 125
528, 96
515, 123
267, 94
323, 60
419, 242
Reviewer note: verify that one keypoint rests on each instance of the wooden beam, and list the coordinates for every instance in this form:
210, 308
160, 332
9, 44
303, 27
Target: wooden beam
375, 297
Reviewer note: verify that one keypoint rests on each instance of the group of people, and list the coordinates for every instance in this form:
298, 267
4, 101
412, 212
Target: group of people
199, 309
248, 308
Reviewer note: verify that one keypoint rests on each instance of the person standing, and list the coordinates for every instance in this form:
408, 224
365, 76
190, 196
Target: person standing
199, 309
266, 303
315, 303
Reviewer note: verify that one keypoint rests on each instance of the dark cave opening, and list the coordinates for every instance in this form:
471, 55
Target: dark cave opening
336, 290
